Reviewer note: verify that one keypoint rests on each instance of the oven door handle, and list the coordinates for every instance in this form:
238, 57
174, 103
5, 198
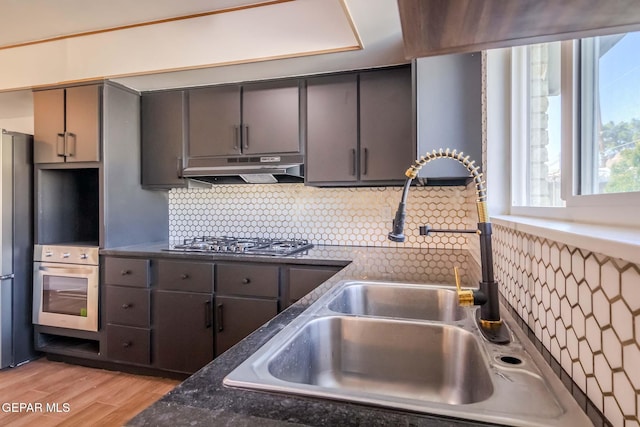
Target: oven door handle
67, 270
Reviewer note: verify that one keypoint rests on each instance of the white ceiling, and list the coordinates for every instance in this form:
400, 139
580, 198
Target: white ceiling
30, 20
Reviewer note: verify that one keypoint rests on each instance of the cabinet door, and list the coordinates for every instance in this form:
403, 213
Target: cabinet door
271, 118
214, 121
162, 138
48, 114
449, 109
332, 129
183, 330
83, 107
238, 317
387, 143
303, 280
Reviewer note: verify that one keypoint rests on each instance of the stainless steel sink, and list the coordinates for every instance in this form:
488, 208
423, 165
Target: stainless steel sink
409, 301
378, 354
401, 359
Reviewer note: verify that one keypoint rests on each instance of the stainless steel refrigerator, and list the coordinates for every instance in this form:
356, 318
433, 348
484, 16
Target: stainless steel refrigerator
16, 248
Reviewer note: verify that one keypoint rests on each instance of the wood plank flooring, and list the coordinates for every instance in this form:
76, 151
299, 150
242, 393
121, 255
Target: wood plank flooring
59, 394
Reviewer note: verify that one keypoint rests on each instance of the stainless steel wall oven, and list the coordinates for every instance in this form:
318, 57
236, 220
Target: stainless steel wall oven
65, 286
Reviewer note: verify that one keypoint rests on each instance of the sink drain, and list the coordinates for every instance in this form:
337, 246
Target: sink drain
511, 360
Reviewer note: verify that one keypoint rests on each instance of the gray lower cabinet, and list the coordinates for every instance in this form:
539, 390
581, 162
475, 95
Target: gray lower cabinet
183, 330
359, 128
163, 314
67, 124
182, 302
303, 279
237, 317
246, 298
163, 116
127, 310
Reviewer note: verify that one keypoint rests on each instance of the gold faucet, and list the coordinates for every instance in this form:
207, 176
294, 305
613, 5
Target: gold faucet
488, 317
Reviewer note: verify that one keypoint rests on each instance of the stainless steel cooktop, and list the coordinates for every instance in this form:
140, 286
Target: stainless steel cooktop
241, 245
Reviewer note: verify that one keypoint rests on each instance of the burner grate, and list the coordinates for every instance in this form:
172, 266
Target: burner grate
242, 245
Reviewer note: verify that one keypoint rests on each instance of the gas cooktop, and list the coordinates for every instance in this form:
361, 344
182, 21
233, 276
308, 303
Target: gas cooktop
241, 245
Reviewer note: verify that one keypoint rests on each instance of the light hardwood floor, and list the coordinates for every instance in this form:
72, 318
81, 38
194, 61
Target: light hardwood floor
84, 396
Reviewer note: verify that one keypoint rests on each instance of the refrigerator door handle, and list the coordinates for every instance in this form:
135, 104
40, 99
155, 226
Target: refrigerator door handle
7, 277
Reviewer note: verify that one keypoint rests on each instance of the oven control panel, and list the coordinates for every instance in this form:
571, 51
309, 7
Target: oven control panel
86, 255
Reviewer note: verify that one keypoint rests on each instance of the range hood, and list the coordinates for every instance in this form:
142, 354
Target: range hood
266, 169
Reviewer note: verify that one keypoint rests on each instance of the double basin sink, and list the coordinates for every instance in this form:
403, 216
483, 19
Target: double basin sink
409, 347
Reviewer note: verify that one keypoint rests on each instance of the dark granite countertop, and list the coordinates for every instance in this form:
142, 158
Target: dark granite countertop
202, 400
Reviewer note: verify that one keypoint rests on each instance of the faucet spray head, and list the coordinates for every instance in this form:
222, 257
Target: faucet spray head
397, 234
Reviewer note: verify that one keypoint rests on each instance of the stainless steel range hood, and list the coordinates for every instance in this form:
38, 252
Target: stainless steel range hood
265, 169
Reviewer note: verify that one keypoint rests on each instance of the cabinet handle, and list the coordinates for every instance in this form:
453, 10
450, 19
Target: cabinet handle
208, 315
126, 306
246, 137
61, 138
353, 162
246, 281
184, 276
219, 319
236, 137
126, 344
365, 168
125, 272
179, 167
67, 147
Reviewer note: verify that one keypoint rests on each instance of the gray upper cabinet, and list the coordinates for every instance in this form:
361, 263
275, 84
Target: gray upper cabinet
449, 111
67, 124
386, 124
163, 118
214, 121
360, 128
332, 129
259, 118
271, 118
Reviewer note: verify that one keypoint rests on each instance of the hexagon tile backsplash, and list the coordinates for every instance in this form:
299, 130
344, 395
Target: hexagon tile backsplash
585, 309
330, 216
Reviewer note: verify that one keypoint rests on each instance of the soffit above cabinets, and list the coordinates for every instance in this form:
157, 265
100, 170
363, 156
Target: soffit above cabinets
437, 27
35, 20
269, 32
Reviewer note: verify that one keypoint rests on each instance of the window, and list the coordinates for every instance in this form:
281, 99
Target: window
576, 129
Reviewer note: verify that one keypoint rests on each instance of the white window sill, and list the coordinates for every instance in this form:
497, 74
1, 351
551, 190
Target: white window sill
615, 242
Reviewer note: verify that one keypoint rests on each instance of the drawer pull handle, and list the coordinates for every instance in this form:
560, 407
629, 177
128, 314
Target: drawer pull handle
126, 306
246, 281
126, 344
219, 318
208, 314
184, 276
125, 272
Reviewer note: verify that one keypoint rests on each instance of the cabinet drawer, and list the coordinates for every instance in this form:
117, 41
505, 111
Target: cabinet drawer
185, 276
127, 272
128, 306
304, 280
127, 344
251, 280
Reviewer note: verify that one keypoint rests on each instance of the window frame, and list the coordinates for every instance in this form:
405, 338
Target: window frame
619, 209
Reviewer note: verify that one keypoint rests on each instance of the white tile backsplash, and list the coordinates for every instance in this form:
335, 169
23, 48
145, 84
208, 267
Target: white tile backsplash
585, 306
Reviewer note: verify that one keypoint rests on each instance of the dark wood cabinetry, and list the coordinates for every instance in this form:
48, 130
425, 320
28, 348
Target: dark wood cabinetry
163, 117
67, 124
127, 310
360, 128
183, 315
302, 280
246, 298
259, 118
163, 313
